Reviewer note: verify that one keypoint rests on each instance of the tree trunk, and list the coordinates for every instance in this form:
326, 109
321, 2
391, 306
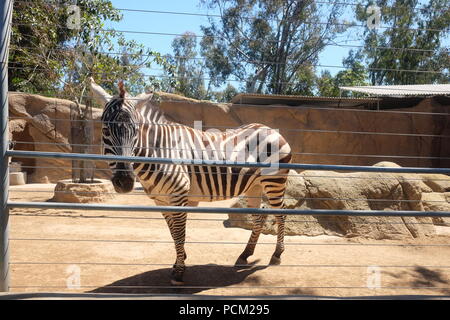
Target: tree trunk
82, 140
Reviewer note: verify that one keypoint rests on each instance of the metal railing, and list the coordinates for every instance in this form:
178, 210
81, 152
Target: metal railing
6, 7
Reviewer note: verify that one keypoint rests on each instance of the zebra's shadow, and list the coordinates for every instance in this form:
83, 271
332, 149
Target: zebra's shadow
197, 278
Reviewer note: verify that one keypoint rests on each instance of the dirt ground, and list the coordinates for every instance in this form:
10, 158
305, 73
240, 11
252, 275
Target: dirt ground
129, 252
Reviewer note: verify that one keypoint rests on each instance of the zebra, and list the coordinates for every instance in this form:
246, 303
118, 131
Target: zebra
136, 126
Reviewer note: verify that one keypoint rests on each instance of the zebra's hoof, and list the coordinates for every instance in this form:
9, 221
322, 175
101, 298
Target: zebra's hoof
176, 279
241, 263
175, 282
275, 261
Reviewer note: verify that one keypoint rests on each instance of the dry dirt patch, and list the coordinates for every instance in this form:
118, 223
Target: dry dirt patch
130, 252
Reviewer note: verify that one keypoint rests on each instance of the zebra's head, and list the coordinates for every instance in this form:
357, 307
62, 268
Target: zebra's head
120, 131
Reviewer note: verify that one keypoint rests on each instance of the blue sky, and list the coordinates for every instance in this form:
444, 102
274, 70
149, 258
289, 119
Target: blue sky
155, 22
178, 24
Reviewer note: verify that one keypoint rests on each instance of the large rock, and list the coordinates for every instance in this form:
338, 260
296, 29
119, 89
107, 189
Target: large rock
39, 123
91, 192
358, 191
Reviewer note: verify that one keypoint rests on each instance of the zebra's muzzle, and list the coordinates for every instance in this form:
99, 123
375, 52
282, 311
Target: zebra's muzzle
123, 180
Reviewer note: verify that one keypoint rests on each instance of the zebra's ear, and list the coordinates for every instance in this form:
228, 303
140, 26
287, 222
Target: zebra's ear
99, 95
122, 91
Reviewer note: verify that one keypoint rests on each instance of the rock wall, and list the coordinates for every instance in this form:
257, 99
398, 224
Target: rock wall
43, 124
332, 136
319, 135
39, 123
358, 191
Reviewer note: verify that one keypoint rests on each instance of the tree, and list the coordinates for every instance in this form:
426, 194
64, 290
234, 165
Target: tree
355, 74
326, 85
408, 38
226, 94
55, 48
269, 45
51, 54
188, 69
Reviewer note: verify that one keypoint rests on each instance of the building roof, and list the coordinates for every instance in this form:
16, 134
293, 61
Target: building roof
403, 90
292, 100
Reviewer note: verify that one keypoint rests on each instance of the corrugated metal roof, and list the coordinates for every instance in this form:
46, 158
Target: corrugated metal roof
403, 90
268, 99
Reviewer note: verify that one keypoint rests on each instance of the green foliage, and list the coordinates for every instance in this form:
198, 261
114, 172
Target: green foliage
188, 69
327, 86
48, 57
270, 45
226, 94
355, 74
404, 26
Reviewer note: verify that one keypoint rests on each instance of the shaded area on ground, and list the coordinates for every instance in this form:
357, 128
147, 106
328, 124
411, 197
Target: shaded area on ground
204, 277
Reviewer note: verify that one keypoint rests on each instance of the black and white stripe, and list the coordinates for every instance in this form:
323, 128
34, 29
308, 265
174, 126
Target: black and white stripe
138, 128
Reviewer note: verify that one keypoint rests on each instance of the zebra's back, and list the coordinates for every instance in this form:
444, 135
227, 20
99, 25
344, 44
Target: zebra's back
249, 143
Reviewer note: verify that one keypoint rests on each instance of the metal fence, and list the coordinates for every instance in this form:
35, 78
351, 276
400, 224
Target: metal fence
5, 271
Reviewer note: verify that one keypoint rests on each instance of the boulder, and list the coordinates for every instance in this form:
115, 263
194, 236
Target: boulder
92, 192
17, 178
358, 191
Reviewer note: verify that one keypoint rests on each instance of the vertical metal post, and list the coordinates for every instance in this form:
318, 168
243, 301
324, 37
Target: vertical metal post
6, 7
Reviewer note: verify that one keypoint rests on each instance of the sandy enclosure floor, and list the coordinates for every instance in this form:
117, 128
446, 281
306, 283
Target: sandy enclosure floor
129, 252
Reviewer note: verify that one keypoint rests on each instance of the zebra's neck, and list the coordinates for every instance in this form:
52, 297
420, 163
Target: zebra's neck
151, 120
151, 114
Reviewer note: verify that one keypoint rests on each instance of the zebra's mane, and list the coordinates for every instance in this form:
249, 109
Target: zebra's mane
150, 111
145, 108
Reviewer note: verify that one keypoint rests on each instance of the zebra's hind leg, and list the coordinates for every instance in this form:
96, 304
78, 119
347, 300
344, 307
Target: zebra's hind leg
276, 257
177, 227
253, 201
274, 189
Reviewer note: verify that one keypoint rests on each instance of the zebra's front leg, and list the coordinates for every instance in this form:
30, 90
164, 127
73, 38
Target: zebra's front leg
177, 227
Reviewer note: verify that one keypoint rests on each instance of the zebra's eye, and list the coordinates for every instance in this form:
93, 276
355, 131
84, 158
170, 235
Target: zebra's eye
105, 131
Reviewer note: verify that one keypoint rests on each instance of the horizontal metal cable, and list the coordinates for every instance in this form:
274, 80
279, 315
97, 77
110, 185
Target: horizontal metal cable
217, 210
184, 100
417, 7
403, 178
351, 25
257, 62
231, 287
228, 265
141, 148
11, 67
90, 193
212, 150
244, 80
234, 242
268, 165
425, 135
209, 15
222, 220
107, 30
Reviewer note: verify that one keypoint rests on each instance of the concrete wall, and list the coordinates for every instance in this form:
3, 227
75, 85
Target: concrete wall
338, 131
332, 131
